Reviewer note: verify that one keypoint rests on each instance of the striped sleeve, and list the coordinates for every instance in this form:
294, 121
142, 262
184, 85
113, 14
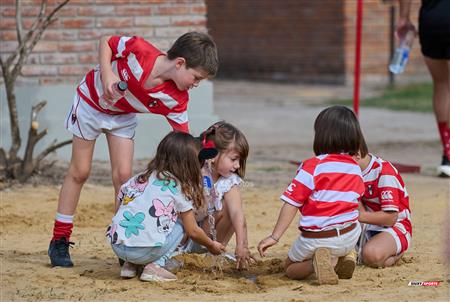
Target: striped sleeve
120, 46
302, 185
390, 188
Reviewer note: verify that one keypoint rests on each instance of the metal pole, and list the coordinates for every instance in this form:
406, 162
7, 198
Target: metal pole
391, 42
357, 73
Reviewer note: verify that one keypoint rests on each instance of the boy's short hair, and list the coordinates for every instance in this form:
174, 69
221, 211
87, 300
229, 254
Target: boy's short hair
199, 51
337, 130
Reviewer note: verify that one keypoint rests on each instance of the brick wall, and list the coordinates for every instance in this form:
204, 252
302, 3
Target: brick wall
69, 46
303, 40
278, 39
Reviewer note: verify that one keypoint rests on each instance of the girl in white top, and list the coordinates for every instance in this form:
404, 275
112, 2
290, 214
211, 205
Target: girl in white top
227, 168
155, 209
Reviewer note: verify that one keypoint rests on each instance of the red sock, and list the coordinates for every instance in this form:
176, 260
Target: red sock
62, 229
444, 132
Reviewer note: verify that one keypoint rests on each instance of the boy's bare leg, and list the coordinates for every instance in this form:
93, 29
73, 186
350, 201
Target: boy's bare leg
78, 173
380, 251
298, 270
121, 159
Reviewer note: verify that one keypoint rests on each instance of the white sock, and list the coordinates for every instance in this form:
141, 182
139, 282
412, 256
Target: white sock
64, 218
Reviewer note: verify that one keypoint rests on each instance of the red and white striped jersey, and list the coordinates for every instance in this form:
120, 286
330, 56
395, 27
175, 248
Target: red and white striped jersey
326, 190
385, 191
132, 60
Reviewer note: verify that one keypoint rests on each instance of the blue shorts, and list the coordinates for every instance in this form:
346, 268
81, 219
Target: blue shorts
145, 255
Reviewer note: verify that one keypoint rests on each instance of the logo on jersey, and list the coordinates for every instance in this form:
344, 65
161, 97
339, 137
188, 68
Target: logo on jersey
125, 75
387, 195
291, 188
370, 189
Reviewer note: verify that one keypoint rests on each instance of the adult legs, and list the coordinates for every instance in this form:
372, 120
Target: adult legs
440, 73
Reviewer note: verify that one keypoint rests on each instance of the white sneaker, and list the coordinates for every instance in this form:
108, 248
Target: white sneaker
129, 270
444, 169
153, 272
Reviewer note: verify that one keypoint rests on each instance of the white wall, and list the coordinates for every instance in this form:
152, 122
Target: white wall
151, 128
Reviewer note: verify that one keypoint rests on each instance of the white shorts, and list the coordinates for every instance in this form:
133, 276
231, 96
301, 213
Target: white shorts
303, 248
87, 123
398, 232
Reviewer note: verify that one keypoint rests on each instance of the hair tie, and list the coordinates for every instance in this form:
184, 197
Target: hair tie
208, 150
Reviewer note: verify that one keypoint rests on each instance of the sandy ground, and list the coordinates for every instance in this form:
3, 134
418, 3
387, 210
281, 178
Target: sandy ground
27, 216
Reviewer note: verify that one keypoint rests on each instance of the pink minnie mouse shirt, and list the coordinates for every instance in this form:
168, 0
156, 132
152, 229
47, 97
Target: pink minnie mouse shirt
147, 213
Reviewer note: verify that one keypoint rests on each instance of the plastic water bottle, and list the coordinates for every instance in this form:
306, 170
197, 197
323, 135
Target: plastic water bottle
119, 88
401, 54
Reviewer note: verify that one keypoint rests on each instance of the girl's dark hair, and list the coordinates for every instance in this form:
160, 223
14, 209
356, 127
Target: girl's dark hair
337, 130
177, 159
226, 136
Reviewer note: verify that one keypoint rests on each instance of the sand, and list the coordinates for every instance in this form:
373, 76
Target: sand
26, 223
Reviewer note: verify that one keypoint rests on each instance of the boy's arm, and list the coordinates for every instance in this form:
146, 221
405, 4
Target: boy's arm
108, 77
381, 218
287, 213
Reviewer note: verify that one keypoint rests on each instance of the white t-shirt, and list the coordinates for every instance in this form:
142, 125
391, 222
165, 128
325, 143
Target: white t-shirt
148, 212
222, 186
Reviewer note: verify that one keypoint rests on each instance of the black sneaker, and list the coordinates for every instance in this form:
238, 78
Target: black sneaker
58, 251
444, 168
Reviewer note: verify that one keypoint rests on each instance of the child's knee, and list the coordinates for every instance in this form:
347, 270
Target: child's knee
79, 175
120, 176
373, 257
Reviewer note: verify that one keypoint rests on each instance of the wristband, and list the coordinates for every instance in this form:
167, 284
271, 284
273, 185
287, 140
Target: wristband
273, 237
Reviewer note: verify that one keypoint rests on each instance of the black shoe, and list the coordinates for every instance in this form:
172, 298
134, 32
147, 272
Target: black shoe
58, 251
444, 168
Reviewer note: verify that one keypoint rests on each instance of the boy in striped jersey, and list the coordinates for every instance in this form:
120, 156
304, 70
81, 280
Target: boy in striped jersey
385, 210
325, 191
156, 83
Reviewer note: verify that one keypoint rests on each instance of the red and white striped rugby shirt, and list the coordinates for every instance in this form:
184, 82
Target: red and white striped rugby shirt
132, 60
326, 190
385, 191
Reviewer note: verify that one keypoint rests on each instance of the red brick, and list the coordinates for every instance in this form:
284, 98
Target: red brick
76, 46
95, 34
152, 21
114, 22
58, 35
73, 70
133, 10
201, 9
9, 46
37, 70
59, 80
7, 23
59, 58
8, 35
88, 58
173, 10
77, 23
188, 20
46, 46
96, 11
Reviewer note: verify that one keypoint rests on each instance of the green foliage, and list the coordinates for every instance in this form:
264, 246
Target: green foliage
415, 97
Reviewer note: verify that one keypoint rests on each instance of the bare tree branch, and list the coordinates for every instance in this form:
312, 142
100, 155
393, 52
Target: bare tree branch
19, 28
52, 148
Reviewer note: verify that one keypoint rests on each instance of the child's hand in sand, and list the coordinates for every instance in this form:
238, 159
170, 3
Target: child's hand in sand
265, 244
216, 248
243, 257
